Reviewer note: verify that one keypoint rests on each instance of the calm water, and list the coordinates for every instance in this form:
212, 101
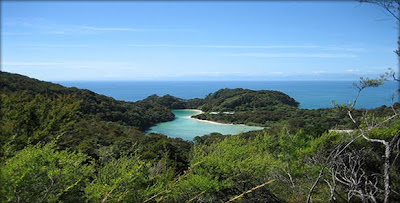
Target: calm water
184, 127
310, 94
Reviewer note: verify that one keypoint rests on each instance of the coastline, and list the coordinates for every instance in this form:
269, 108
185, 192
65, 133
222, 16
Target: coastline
213, 122
198, 111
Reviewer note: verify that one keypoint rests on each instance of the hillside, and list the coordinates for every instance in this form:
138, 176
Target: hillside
245, 100
140, 114
34, 111
274, 109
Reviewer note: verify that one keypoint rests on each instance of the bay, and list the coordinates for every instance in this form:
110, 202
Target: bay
187, 128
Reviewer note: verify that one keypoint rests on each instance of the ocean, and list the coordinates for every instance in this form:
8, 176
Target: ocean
310, 94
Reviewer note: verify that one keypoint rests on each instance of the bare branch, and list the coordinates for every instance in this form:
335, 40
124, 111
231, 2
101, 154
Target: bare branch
389, 6
251, 190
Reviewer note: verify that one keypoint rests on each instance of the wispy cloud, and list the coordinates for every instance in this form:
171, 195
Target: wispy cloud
30, 63
226, 46
352, 70
294, 55
93, 28
54, 45
318, 72
212, 73
67, 64
341, 48
43, 26
131, 29
260, 47
23, 22
15, 33
216, 46
57, 32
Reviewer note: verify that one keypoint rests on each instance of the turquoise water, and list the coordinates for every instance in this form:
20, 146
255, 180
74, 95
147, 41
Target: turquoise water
186, 128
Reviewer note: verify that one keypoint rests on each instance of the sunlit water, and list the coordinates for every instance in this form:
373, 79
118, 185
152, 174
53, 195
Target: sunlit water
186, 128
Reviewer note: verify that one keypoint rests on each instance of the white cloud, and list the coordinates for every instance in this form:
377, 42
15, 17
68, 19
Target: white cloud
111, 28
216, 46
211, 73
294, 55
341, 48
210, 46
219, 73
53, 45
260, 47
95, 65
352, 70
24, 63
23, 22
226, 46
130, 29
57, 32
15, 33
40, 25
319, 72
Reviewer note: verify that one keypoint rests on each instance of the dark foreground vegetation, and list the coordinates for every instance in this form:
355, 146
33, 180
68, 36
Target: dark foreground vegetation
72, 145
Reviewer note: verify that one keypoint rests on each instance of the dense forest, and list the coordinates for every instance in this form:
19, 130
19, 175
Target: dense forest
36, 112
63, 144
140, 114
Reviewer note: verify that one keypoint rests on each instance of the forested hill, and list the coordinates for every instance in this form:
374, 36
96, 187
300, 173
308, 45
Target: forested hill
140, 114
33, 112
228, 100
244, 99
273, 108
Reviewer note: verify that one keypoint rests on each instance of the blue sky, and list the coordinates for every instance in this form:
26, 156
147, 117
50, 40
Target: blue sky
130, 40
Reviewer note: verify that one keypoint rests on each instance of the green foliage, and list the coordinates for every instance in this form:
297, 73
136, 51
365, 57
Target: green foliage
38, 174
175, 150
141, 114
127, 179
227, 168
105, 141
272, 108
209, 139
311, 121
367, 82
27, 119
168, 101
245, 100
80, 120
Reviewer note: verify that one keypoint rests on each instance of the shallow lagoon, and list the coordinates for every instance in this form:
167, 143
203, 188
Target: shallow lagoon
187, 128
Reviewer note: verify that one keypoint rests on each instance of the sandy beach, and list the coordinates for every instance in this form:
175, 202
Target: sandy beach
207, 121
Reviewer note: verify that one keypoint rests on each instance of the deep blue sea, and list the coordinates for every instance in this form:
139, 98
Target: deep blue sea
310, 94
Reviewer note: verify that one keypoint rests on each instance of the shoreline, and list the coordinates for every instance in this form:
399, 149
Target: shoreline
198, 111
213, 122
